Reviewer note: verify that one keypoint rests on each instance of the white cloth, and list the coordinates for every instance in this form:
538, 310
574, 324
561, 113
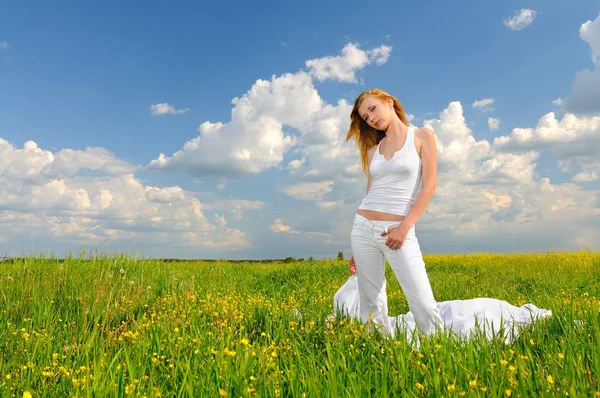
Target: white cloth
466, 318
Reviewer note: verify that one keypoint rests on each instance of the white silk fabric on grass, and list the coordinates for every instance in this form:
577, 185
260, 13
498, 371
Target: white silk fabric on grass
465, 318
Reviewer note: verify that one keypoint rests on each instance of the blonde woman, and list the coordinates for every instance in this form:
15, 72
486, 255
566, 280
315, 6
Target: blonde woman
400, 163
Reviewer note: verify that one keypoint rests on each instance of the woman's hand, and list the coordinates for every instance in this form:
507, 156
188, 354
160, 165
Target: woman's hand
352, 265
397, 236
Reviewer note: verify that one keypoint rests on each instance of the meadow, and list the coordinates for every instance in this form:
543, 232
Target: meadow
106, 325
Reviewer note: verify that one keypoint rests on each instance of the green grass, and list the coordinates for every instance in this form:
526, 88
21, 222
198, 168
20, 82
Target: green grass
113, 326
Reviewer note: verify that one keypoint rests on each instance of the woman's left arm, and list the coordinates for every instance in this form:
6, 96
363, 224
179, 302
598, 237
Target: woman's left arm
428, 154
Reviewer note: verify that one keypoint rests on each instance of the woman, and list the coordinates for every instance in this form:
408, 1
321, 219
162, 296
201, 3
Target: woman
401, 167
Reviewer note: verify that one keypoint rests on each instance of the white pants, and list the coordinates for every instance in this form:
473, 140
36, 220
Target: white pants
370, 252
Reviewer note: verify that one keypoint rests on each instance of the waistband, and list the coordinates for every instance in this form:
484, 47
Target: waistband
362, 220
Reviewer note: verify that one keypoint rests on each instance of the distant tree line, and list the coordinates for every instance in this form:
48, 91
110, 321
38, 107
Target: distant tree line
16, 260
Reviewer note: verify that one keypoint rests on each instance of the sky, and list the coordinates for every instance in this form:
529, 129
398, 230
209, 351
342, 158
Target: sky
217, 130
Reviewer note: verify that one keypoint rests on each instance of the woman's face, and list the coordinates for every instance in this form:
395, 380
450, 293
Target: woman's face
377, 113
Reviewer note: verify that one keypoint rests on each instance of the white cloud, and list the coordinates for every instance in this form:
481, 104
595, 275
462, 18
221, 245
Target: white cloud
235, 208
33, 163
296, 163
343, 67
3, 45
590, 32
493, 123
471, 161
44, 194
574, 141
279, 226
254, 140
557, 102
483, 103
309, 190
521, 19
568, 136
585, 94
166, 109
584, 98
380, 54
538, 203
585, 177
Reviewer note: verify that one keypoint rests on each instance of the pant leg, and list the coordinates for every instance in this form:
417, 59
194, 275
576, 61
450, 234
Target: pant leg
370, 273
409, 267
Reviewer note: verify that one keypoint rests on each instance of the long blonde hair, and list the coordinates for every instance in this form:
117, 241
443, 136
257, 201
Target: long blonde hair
366, 136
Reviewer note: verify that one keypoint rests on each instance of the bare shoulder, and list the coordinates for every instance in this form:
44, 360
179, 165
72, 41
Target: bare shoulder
424, 134
425, 141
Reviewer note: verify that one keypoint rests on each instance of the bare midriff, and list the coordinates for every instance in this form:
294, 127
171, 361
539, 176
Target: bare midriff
379, 216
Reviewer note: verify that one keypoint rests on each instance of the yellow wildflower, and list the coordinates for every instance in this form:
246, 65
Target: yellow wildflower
26, 394
128, 389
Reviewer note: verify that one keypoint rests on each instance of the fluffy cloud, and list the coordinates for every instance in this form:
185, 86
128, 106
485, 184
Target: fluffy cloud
590, 32
483, 104
279, 226
254, 140
309, 190
33, 163
585, 177
585, 93
343, 67
572, 139
42, 194
235, 208
493, 123
166, 109
521, 19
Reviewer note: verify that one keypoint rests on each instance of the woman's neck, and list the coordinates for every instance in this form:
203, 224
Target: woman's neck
396, 129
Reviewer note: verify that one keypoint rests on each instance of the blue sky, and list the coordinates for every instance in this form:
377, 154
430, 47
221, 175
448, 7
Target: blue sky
82, 145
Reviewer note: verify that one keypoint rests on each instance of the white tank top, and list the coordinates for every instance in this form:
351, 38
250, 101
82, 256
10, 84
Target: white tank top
395, 182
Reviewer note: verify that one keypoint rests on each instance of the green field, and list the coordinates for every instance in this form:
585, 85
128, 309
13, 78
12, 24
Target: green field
114, 326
